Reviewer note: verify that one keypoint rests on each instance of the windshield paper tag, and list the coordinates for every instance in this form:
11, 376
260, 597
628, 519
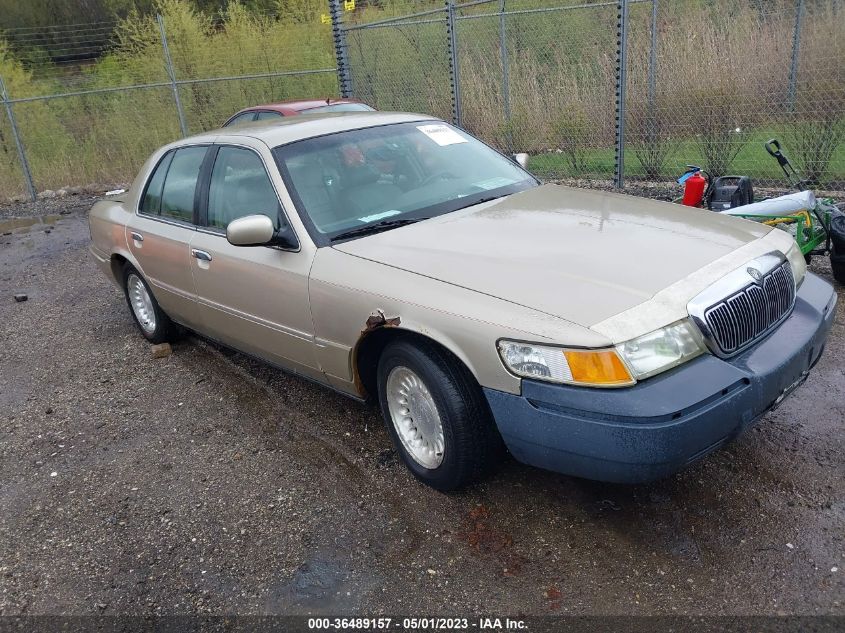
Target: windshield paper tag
441, 134
493, 183
379, 216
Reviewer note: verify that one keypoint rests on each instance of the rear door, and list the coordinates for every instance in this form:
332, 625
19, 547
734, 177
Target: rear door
254, 298
161, 232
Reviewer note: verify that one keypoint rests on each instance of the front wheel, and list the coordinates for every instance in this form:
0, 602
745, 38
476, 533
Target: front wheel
154, 324
436, 415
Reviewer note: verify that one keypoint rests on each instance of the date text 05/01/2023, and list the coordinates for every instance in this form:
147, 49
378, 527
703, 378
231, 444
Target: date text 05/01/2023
416, 624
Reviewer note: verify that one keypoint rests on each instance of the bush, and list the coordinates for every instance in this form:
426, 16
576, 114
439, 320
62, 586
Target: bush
571, 134
812, 144
819, 130
649, 138
721, 134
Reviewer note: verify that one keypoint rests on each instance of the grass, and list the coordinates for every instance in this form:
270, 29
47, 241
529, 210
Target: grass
752, 160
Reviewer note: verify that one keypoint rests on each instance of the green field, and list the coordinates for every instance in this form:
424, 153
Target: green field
752, 160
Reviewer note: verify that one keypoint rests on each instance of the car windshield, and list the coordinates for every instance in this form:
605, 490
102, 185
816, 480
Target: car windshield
340, 107
392, 174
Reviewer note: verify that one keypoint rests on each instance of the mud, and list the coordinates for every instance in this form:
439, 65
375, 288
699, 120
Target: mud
204, 482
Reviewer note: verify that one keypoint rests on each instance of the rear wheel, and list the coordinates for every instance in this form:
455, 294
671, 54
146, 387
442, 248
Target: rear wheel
436, 415
154, 324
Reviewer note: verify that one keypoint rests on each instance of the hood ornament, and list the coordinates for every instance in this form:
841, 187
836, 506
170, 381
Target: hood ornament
756, 275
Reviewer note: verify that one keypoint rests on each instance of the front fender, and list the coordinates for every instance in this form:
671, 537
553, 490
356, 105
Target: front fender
346, 292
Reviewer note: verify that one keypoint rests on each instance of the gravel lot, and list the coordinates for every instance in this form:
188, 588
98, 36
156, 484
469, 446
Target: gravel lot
207, 483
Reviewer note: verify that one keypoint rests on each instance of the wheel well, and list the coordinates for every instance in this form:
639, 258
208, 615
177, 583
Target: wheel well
117, 263
370, 347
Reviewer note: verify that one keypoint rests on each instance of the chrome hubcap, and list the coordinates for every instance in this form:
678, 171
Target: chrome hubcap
142, 303
415, 417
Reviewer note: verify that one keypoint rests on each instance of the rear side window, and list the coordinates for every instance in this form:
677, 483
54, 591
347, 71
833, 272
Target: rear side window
240, 186
241, 118
264, 116
177, 197
152, 195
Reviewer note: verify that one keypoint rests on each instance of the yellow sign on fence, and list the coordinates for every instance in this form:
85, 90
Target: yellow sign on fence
348, 5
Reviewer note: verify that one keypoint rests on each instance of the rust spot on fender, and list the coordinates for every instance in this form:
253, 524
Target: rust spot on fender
377, 320
374, 322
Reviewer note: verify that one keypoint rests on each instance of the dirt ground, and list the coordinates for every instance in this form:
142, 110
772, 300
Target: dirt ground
207, 483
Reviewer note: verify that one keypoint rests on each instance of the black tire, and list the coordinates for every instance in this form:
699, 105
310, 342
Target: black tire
165, 330
472, 444
837, 265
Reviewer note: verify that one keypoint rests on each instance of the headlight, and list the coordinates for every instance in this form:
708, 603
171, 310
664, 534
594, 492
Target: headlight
591, 367
621, 366
797, 263
662, 349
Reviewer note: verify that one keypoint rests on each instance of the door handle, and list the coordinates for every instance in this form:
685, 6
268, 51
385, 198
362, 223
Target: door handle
201, 255
137, 237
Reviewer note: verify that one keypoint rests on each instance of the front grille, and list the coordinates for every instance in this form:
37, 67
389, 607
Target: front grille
751, 312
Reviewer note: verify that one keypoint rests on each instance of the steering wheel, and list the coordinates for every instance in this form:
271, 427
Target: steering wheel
445, 175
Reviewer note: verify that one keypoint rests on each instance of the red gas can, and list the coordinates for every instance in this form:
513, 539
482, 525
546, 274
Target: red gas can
694, 190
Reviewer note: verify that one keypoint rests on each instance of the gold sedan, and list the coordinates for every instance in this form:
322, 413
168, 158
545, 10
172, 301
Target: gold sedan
396, 257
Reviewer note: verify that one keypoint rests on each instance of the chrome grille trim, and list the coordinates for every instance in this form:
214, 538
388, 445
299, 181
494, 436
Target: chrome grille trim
739, 309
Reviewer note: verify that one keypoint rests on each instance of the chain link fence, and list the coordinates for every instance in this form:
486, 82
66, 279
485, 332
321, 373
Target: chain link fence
618, 93
535, 80
625, 92
749, 72
402, 63
87, 104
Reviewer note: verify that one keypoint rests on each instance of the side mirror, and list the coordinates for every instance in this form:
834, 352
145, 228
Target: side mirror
250, 230
258, 230
521, 159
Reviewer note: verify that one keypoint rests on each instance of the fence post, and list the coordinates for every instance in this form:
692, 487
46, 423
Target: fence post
183, 127
652, 59
27, 172
621, 68
454, 71
341, 50
506, 92
796, 45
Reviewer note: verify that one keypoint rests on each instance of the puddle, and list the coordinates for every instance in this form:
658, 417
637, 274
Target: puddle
318, 585
22, 225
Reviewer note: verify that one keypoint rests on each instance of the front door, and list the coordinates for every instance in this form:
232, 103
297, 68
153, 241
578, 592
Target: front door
254, 298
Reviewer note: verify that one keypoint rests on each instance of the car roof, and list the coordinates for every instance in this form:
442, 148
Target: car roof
286, 107
287, 130
303, 104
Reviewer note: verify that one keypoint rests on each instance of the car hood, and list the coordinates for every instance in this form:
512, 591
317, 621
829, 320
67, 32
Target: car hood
576, 254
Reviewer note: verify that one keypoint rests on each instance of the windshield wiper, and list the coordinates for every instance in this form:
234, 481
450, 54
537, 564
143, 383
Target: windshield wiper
485, 199
378, 227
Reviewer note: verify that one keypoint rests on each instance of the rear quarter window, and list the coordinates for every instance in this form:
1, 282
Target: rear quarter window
266, 115
246, 117
151, 203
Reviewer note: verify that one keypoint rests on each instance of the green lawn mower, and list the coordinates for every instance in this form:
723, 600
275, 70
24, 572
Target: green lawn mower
817, 225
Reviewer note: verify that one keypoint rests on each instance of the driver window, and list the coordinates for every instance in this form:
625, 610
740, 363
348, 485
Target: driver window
240, 186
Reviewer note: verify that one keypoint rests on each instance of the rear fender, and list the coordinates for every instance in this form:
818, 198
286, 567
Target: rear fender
107, 222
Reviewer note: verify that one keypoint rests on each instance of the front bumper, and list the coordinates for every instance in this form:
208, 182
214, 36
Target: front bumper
660, 425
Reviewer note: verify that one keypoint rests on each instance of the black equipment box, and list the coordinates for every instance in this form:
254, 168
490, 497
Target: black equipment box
729, 192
